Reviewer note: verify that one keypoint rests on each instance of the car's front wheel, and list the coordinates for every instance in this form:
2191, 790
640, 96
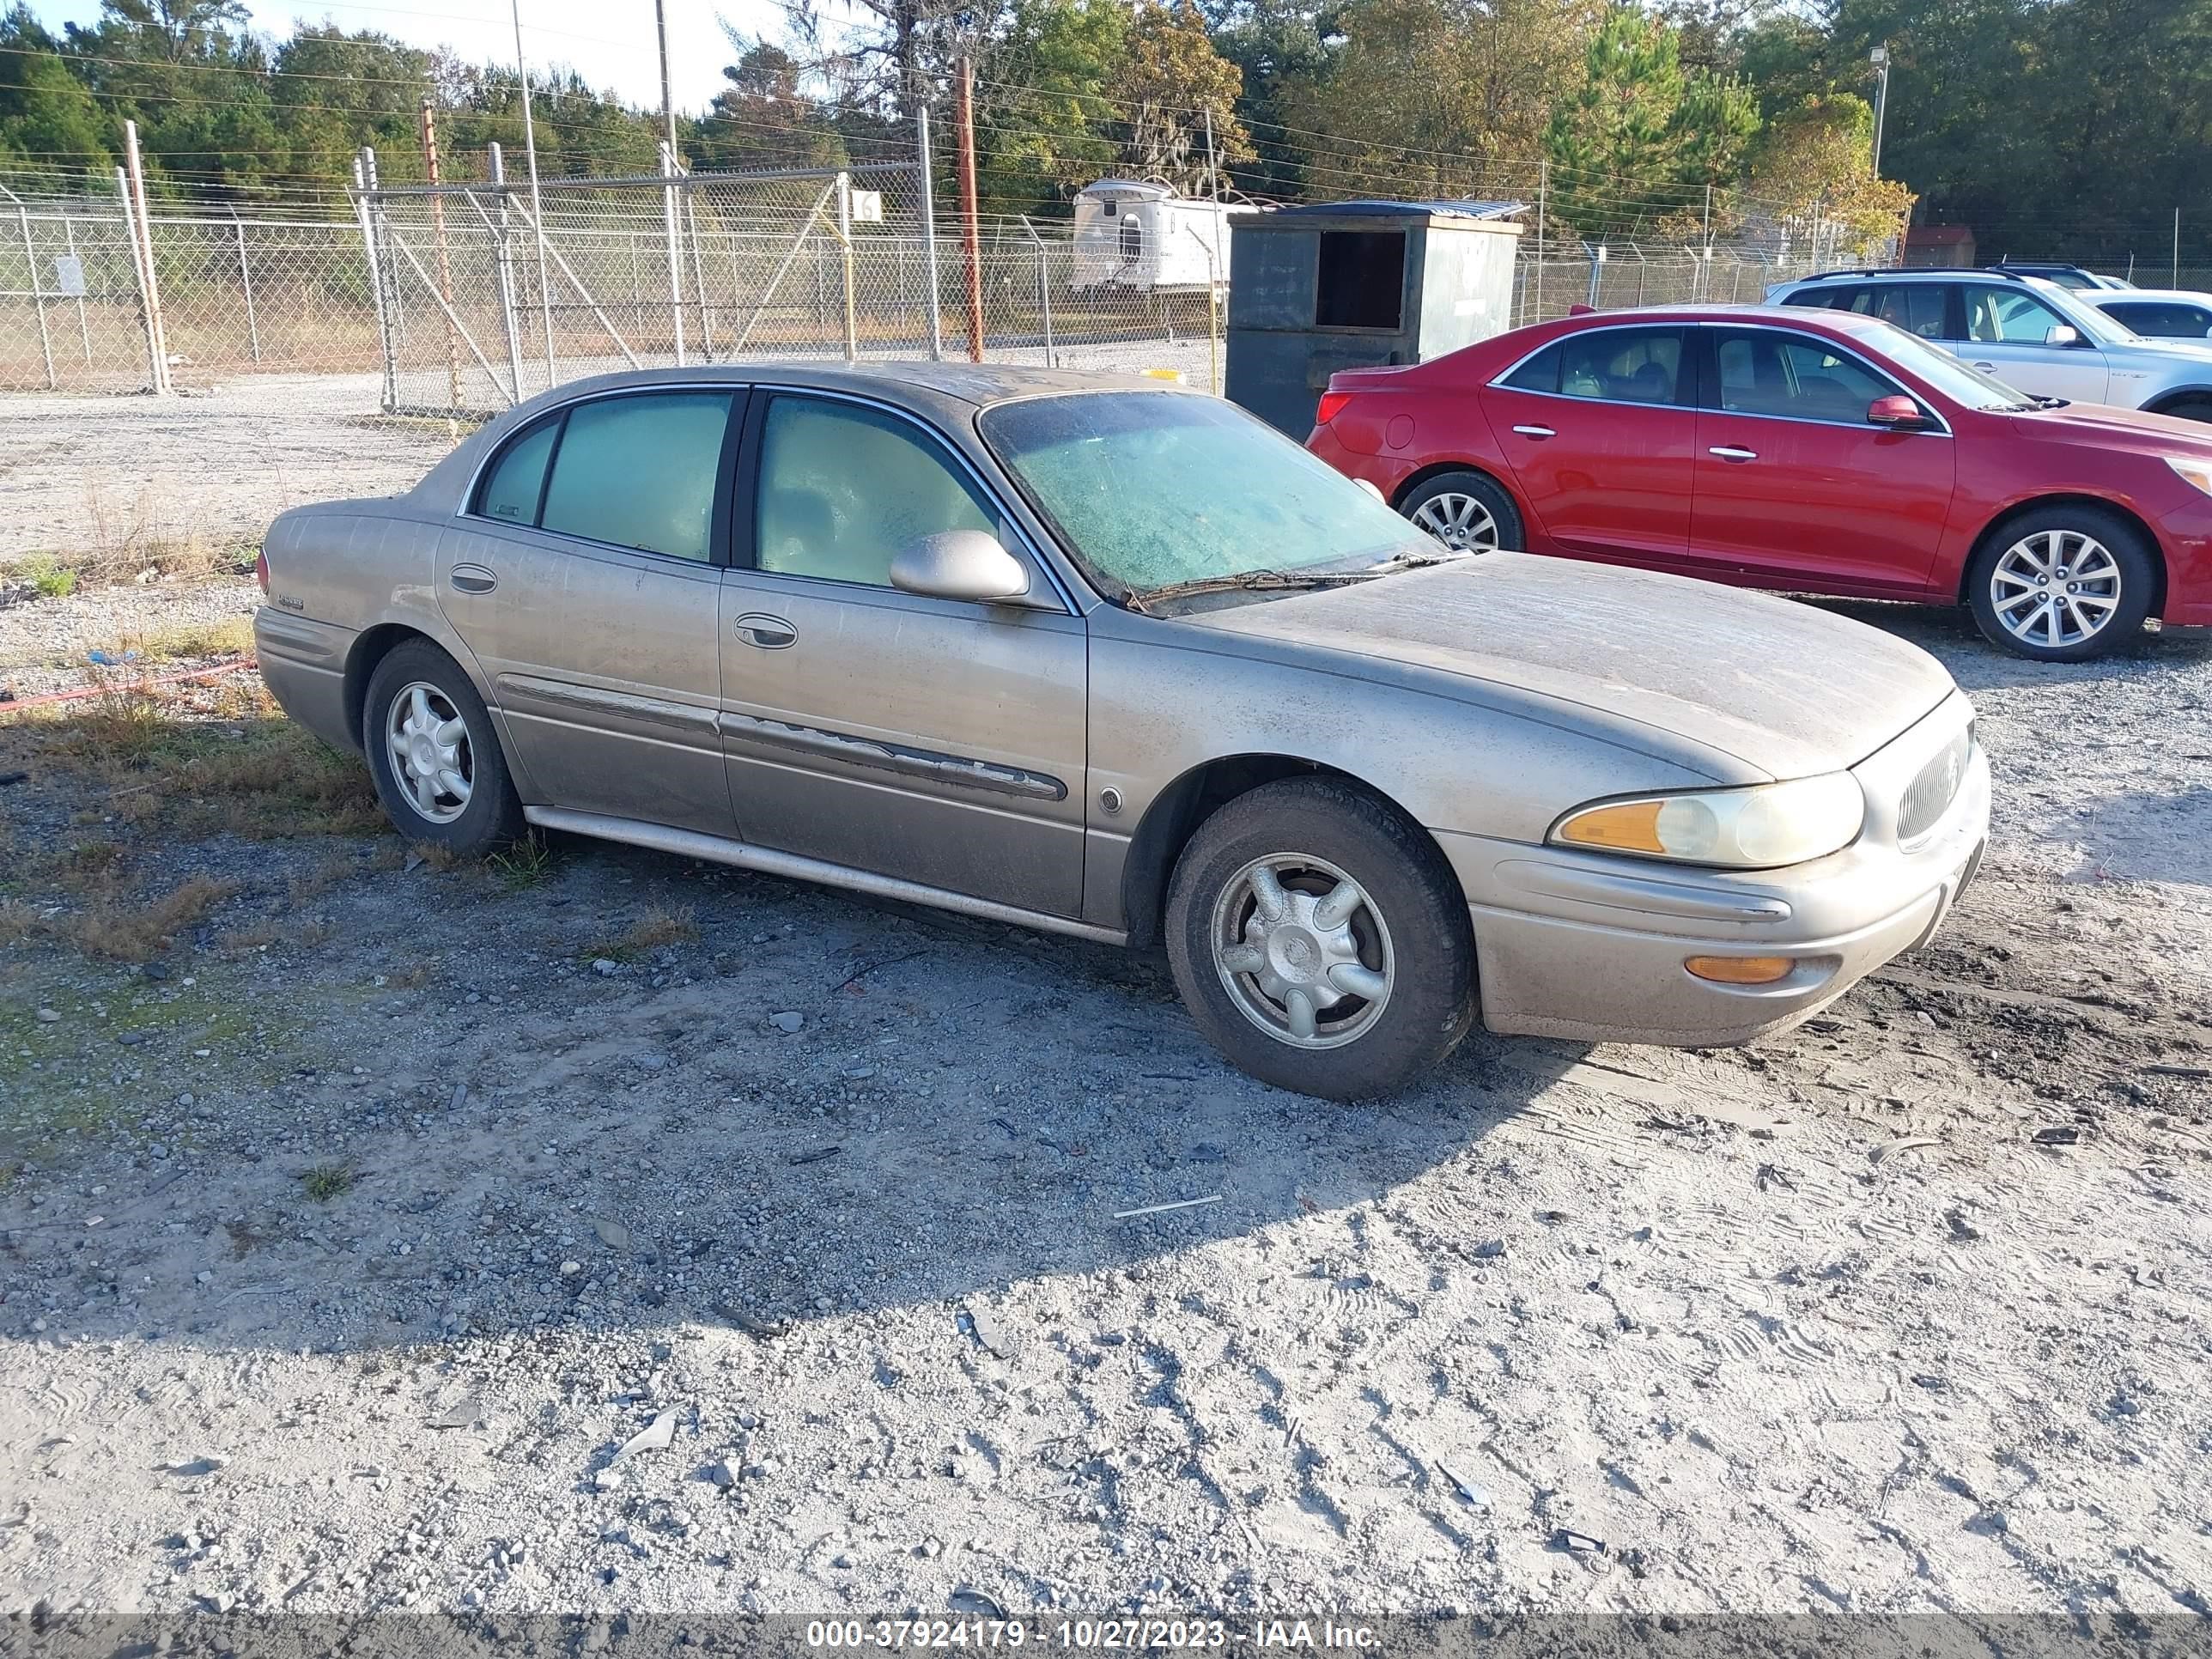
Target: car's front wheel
2062, 584
1320, 941
1466, 511
437, 763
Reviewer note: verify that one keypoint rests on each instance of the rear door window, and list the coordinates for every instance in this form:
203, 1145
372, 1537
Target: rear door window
2163, 319
1622, 365
1916, 307
512, 488
641, 472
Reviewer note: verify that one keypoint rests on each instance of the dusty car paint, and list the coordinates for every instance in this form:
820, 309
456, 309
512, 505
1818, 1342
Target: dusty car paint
1044, 761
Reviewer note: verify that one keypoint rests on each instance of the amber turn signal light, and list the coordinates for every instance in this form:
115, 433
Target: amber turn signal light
1742, 970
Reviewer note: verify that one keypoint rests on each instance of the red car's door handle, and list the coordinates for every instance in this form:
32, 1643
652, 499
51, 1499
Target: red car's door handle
1535, 432
1733, 452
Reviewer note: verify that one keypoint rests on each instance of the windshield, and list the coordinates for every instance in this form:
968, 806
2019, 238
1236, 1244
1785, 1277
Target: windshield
1946, 373
1149, 488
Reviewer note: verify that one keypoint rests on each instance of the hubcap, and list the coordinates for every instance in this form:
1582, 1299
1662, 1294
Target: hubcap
432, 758
1304, 951
1460, 522
2055, 587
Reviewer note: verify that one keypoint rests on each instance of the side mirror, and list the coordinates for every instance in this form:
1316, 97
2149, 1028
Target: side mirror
2062, 334
960, 564
1901, 414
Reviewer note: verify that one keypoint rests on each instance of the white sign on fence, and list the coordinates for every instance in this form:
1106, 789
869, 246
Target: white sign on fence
69, 275
867, 207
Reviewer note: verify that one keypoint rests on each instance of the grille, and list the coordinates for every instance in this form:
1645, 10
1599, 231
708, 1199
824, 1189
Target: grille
1929, 794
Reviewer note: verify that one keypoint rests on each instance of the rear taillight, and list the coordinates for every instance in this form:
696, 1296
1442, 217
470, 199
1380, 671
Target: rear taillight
1332, 405
261, 571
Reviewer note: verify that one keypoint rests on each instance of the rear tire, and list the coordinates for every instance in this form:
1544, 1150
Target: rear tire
440, 771
2062, 584
1320, 941
1471, 506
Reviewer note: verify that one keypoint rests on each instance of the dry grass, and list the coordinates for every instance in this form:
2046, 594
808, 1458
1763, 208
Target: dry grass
233, 636
133, 539
133, 931
232, 764
655, 928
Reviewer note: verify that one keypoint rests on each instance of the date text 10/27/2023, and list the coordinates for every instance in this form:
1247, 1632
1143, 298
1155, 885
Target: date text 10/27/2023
1139, 1635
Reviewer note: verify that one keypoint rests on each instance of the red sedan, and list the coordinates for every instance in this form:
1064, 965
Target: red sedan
1816, 452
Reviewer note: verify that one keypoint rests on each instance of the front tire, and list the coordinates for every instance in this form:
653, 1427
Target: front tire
2189, 409
438, 769
1320, 941
1468, 511
2062, 584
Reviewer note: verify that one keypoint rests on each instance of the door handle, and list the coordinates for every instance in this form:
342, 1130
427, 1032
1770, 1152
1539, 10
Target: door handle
769, 633
1986, 368
1535, 432
473, 579
1733, 452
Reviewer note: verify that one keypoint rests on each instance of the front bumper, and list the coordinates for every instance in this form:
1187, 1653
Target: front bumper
1591, 947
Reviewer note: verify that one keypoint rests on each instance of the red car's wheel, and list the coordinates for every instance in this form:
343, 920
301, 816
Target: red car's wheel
1466, 511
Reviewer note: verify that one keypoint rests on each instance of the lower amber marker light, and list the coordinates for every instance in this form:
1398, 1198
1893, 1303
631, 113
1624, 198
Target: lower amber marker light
1742, 970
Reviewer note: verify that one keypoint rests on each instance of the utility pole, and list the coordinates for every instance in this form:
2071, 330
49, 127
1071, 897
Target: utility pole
970, 229
536, 203
1880, 59
667, 104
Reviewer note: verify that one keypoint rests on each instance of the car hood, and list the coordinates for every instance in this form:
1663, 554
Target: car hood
1783, 688
2109, 427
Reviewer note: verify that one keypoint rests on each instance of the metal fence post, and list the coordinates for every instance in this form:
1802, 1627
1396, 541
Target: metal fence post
362, 176
444, 260
845, 243
699, 277
675, 261
1044, 288
38, 291
497, 167
928, 230
83, 323
246, 281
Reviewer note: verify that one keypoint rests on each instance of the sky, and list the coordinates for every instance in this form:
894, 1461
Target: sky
612, 43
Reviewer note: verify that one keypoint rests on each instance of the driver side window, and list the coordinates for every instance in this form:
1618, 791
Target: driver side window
2000, 316
844, 489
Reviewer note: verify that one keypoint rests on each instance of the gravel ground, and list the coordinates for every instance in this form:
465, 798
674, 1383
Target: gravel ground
349, 1242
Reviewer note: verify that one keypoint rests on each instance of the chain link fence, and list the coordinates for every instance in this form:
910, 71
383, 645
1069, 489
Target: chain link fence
463, 298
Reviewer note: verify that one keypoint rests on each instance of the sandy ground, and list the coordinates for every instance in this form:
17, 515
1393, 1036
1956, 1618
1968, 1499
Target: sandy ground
1905, 1311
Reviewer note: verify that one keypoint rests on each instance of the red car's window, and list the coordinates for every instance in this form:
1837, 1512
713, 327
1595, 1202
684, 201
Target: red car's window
1612, 365
1765, 371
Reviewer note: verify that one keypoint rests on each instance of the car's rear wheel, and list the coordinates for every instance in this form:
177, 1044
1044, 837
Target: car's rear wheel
1466, 511
1320, 941
2062, 584
438, 769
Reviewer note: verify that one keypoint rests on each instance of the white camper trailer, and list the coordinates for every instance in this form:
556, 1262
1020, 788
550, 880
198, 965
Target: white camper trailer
1146, 238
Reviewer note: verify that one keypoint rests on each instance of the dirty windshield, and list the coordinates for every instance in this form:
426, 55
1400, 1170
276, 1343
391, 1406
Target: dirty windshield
1152, 489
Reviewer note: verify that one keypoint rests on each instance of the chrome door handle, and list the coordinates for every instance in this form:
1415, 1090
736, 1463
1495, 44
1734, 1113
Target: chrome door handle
1733, 452
769, 633
1535, 432
1987, 369
472, 579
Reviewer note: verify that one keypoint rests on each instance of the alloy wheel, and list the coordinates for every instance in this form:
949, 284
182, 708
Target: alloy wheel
2055, 588
433, 760
1461, 522
1303, 950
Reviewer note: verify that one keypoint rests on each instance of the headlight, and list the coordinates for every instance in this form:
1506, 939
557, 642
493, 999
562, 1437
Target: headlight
1754, 829
2198, 473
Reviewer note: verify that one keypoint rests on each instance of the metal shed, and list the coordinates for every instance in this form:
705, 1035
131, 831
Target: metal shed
1355, 284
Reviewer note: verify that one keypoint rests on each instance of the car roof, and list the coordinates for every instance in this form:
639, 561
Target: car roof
919, 382
1851, 321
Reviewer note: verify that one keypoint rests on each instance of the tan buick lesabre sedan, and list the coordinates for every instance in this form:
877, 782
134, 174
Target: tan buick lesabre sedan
1114, 660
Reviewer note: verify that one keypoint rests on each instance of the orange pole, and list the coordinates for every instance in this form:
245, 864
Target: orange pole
970, 231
